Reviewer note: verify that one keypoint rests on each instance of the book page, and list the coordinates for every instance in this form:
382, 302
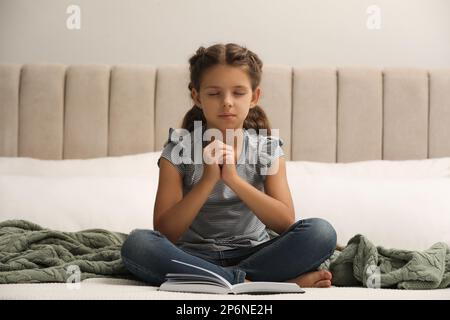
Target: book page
224, 281
189, 277
217, 284
266, 287
194, 287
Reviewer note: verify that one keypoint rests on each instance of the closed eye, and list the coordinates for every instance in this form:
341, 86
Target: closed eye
215, 94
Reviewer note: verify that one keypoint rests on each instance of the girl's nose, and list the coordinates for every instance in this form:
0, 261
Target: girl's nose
227, 100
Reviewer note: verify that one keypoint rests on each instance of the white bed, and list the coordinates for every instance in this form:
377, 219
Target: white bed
374, 142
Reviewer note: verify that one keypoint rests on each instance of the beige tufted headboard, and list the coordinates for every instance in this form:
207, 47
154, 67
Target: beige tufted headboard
54, 111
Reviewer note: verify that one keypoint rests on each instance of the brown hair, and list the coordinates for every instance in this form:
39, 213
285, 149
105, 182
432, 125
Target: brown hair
233, 55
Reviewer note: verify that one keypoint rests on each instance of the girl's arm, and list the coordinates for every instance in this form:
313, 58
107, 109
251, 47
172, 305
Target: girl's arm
173, 214
274, 207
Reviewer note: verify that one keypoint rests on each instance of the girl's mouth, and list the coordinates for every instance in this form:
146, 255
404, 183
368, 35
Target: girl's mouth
227, 116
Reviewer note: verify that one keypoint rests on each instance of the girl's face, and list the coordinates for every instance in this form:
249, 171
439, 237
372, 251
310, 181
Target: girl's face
225, 97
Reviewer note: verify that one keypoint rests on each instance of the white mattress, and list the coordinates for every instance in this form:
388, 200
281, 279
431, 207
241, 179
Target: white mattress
109, 288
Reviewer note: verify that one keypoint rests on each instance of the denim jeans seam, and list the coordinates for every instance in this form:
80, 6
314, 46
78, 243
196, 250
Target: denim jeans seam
239, 275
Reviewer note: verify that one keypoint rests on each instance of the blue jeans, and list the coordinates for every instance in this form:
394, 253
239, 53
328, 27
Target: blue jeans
302, 248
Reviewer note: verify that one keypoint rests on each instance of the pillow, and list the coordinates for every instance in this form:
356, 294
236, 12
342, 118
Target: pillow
427, 168
79, 203
118, 193
129, 165
408, 208
114, 193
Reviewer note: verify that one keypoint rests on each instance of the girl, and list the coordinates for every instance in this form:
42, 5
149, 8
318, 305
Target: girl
219, 213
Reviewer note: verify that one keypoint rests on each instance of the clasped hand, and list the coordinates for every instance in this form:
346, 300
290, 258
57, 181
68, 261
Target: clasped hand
219, 162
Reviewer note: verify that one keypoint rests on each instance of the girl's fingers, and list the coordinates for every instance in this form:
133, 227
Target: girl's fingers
217, 151
221, 155
227, 157
220, 143
212, 155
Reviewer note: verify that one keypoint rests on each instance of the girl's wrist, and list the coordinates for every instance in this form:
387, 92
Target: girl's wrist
232, 179
207, 181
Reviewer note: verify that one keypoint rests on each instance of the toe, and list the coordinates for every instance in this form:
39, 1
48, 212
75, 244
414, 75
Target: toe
323, 284
310, 279
318, 275
325, 274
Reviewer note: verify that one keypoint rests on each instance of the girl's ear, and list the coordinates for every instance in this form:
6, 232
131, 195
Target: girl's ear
255, 97
196, 97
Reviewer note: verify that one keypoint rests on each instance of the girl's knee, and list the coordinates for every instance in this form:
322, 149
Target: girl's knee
141, 252
140, 241
321, 231
326, 232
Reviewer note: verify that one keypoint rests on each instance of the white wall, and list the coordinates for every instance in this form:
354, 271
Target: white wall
292, 32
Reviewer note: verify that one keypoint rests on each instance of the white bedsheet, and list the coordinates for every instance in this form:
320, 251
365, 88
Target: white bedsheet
109, 288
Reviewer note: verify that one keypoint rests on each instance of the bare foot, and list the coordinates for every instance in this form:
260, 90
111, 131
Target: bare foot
318, 279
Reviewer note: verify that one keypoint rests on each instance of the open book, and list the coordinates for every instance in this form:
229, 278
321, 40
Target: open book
214, 283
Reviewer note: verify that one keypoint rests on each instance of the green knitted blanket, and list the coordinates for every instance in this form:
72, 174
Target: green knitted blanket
361, 263
32, 254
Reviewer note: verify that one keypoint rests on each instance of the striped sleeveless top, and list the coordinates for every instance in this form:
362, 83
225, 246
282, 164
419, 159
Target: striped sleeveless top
224, 222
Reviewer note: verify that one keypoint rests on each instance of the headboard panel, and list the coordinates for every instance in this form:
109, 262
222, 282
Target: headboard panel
55, 111
86, 112
314, 115
359, 114
439, 128
132, 110
405, 117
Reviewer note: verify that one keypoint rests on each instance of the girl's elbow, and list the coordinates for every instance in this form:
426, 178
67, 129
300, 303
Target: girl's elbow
291, 217
290, 220
286, 225
168, 233
290, 223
